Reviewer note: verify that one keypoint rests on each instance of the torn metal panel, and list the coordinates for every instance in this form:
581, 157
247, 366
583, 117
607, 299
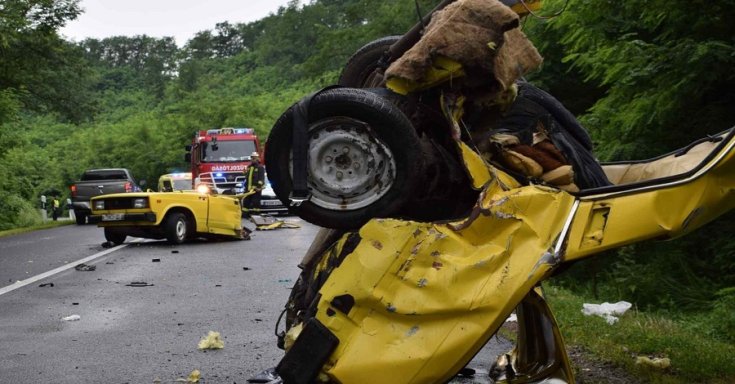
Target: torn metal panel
655, 211
427, 293
539, 353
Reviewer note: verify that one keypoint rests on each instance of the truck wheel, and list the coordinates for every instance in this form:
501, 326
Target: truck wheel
363, 158
114, 236
176, 228
80, 217
364, 69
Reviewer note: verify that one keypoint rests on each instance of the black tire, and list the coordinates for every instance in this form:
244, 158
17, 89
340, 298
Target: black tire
384, 141
176, 228
114, 236
364, 69
80, 217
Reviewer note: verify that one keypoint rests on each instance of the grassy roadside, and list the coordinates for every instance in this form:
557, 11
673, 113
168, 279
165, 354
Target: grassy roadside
48, 224
695, 356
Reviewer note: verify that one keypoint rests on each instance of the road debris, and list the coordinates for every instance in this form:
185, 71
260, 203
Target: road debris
607, 311
657, 362
194, 377
156, 260
46, 285
174, 251
267, 223
467, 372
138, 284
211, 341
71, 318
85, 267
267, 376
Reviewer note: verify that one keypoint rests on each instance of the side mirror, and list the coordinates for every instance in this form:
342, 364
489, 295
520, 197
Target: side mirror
187, 157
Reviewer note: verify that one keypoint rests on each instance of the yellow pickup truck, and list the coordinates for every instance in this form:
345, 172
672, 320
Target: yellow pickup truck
174, 216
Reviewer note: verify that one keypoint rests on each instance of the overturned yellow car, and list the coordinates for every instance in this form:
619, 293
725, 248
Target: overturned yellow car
449, 188
412, 302
174, 216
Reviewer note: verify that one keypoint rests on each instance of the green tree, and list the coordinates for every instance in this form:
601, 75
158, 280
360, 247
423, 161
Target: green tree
665, 65
38, 70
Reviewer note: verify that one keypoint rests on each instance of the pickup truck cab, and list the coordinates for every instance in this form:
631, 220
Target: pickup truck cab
176, 216
95, 182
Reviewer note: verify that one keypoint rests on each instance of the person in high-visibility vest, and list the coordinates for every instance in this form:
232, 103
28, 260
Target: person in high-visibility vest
55, 208
255, 178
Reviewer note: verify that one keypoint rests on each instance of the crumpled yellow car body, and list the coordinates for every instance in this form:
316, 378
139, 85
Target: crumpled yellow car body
413, 302
175, 216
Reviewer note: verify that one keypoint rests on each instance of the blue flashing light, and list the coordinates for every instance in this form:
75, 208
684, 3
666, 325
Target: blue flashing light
218, 174
231, 131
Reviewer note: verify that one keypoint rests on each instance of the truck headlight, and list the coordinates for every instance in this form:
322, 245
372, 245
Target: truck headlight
99, 204
140, 203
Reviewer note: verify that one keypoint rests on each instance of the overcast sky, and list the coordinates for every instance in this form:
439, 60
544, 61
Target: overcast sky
157, 18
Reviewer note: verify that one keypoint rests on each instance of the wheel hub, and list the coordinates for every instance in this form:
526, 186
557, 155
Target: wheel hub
348, 166
180, 229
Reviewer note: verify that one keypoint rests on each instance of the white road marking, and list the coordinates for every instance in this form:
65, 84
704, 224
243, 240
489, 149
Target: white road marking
31, 280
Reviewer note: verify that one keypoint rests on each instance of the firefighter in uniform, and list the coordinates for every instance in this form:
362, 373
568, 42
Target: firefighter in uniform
255, 177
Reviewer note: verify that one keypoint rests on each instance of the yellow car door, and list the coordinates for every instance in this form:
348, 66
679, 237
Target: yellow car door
225, 215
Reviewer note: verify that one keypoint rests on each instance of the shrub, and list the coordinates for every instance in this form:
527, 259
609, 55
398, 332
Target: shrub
16, 212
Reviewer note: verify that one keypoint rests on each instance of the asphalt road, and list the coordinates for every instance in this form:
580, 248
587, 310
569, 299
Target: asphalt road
146, 305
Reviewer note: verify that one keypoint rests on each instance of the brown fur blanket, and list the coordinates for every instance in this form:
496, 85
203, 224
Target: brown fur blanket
482, 35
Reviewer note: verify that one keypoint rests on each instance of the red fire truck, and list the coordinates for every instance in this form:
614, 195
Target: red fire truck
218, 157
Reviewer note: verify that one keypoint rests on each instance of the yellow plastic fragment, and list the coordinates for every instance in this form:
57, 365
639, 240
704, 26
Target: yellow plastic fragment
276, 225
212, 341
292, 334
525, 7
658, 362
194, 376
442, 69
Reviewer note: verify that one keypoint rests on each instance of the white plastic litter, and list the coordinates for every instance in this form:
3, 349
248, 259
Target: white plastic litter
71, 318
607, 310
512, 318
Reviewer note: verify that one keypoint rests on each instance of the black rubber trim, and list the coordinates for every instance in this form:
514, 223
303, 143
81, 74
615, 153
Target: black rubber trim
308, 354
300, 145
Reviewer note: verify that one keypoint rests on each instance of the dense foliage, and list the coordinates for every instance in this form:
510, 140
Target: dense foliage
645, 77
660, 76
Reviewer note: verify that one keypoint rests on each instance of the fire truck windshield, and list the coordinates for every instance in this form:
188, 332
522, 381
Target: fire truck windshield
227, 151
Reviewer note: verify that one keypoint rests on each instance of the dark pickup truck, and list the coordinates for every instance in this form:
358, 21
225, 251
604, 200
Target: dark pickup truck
95, 182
